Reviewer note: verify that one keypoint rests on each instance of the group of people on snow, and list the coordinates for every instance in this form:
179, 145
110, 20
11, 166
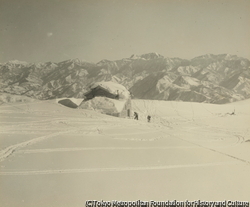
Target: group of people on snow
136, 117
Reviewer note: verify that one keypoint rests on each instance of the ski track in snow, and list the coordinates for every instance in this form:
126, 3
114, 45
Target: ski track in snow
239, 139
150, 107
214, 150
99, 148
13, 148
67, 171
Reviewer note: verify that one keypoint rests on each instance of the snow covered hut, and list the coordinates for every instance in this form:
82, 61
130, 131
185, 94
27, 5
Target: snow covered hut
108, 98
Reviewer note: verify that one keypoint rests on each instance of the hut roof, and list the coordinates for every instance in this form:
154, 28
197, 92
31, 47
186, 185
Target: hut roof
112, 88
68, 103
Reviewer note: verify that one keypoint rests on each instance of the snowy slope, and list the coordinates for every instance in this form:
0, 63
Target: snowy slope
56, 156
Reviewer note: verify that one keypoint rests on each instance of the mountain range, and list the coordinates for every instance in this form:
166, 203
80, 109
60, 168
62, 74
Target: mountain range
209, 78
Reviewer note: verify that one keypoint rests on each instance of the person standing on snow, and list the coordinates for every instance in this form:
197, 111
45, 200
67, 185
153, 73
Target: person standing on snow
136, 115
149, 118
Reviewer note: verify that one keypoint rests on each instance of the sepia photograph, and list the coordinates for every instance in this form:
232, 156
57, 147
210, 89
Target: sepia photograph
124, 103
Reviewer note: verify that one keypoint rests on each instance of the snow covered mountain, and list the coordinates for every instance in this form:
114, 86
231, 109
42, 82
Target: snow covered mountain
209, 78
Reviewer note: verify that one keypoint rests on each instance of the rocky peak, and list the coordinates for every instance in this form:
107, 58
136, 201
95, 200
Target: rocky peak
153, 55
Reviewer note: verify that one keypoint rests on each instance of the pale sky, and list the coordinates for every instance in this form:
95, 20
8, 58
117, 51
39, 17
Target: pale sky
92, 30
